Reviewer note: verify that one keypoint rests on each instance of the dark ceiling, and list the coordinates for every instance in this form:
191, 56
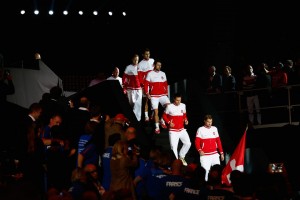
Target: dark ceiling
183, 34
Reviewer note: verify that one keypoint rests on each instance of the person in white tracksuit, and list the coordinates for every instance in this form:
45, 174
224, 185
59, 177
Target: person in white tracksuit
132, 87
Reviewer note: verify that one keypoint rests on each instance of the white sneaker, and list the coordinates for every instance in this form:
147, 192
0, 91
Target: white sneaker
183, 161
157, 131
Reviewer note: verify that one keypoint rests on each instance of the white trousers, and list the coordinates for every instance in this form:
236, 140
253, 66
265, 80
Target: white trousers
174, 138
252, 102
135, 100
209, 160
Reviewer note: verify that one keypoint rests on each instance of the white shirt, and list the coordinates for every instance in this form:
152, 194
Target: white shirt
116, 78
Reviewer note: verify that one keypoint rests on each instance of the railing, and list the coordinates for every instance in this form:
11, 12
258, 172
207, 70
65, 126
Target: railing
277, 106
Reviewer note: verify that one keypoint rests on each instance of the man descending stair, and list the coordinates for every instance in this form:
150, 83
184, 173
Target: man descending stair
175, 116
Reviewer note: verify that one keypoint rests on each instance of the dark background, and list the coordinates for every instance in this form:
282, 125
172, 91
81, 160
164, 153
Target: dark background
186, 35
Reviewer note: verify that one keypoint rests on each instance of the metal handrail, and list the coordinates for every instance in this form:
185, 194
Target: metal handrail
180, 86
240, 93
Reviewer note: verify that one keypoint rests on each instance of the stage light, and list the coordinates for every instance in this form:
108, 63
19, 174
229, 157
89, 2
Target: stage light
40, 8
51, 12
95, 12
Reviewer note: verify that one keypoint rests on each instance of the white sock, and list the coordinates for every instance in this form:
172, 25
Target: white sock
157, 125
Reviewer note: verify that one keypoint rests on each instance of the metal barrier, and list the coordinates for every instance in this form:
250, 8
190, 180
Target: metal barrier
277, 106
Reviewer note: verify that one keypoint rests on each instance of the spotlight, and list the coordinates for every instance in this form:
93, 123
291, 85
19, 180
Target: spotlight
80, 12
95, 12
36, 12
110, 13
124, 13
65, 12
22, 12
51, 12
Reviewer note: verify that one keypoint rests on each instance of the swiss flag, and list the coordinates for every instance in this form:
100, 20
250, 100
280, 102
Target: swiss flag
236, 162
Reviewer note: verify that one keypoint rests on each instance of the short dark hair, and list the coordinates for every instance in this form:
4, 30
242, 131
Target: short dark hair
157, 61
208, 116
35, 107
146, 49
177, 95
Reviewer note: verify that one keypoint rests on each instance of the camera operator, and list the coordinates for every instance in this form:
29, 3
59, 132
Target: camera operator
6, 85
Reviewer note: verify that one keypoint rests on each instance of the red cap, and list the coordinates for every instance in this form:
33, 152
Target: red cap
120, 117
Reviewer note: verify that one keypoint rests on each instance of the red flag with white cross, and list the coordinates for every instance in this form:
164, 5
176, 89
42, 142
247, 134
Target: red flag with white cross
236, 161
